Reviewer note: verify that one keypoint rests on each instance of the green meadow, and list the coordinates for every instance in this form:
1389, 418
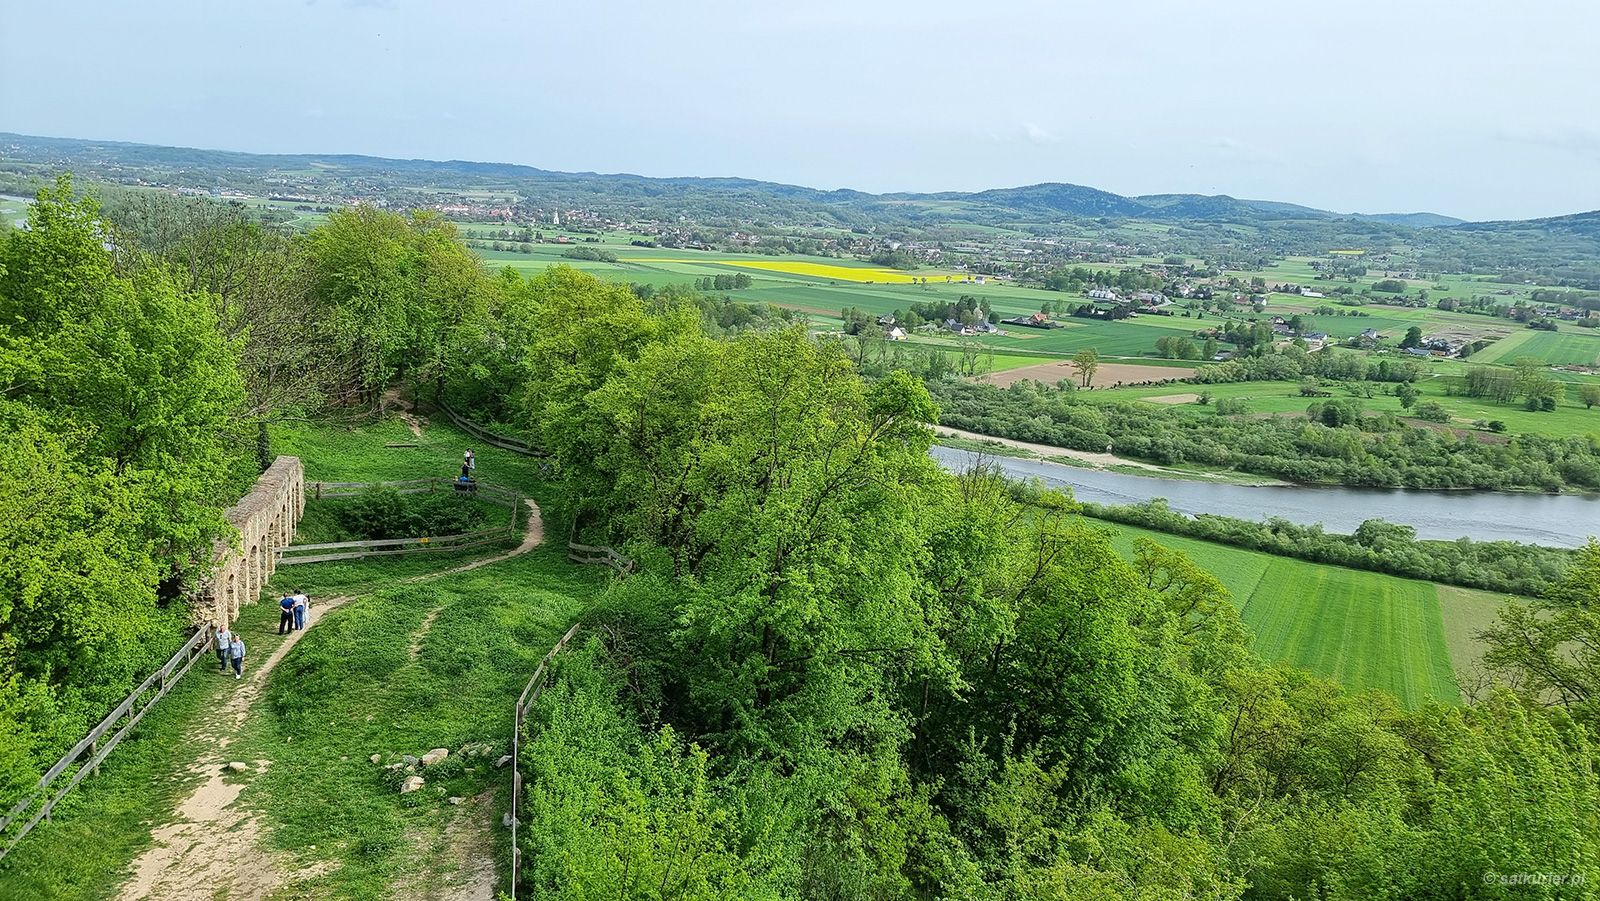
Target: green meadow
1367, 630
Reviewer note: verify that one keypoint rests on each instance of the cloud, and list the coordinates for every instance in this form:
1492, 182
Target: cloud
1038, 135
1577, 140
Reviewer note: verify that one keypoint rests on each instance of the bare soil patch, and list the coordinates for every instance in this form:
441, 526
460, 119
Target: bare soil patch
1174, 399
455, 859
1100, 461
1106, 376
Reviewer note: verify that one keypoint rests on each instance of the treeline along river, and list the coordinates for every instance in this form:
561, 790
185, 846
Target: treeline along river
1556, 520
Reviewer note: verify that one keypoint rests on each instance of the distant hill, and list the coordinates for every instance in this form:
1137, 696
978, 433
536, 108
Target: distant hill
1051, 200
1414, 220
1585, 225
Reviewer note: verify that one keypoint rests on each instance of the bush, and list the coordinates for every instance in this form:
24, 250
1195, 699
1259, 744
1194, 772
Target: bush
1232, 406
590, 253
381, 511
1432, 411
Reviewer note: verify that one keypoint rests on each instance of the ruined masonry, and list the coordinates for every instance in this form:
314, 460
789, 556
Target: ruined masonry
266, 520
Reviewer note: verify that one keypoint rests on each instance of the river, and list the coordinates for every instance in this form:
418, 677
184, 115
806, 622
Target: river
1558, 520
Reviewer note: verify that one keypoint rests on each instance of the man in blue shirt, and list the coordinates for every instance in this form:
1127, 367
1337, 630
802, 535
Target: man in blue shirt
286, 615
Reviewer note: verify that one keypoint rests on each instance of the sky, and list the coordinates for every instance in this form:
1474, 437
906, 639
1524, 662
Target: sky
1482, 110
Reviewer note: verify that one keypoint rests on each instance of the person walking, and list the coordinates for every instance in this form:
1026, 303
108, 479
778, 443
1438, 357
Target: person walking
302, 606
236, 654
286, 615
224, 638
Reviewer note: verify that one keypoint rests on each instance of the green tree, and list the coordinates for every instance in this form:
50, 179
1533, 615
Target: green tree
1086, 362
1407, 393
1590, 395
1551, 647
118, 451
1413, 338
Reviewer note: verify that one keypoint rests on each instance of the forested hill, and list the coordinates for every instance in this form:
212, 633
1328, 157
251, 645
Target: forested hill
1050, 201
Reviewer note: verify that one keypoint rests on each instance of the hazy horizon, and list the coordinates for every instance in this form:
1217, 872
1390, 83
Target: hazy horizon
1463, 109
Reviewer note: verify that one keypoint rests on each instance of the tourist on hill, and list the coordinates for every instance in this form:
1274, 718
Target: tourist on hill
224, 638
469, 461
302, 605
286, 614
236, 654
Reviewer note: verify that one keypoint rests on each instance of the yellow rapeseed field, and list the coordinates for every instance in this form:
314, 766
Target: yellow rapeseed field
822, 270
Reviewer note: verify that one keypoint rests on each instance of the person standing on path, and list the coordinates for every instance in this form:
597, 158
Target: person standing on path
236, 654
469, 462
302, 606
286, 615
224, 638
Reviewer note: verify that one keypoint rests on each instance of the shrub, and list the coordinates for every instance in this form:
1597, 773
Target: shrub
1232, 406
383, 512
1432, 411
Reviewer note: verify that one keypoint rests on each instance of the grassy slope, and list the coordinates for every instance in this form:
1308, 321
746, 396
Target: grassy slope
493, 626
106, 822
1367, 630
1468, 611
351, 690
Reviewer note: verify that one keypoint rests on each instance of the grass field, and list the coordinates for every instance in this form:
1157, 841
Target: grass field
1366, 630
1571, 417
1560, 348
1467, 611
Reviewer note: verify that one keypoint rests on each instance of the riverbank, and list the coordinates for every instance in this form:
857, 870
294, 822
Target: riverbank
961, 439
1550, 520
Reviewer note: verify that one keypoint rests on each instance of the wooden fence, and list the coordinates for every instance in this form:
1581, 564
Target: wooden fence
515, 445
585, 553
578, 553
524, 703
95, 747
388, 547
494, 494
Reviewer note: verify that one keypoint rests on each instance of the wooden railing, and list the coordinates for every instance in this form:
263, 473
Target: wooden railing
494, 494
97, 745
529, 695
504, 442
388, 547
589, 554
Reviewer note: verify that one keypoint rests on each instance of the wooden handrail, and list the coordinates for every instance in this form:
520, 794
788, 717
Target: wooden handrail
534, 688
380, 542
504, 442
591, 554
161, 681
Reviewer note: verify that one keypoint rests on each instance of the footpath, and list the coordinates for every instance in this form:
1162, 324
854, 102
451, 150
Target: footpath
213, 848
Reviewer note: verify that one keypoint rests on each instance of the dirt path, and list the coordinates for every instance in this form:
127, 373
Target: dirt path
214, 848
454, 860
532, 537
213, 845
